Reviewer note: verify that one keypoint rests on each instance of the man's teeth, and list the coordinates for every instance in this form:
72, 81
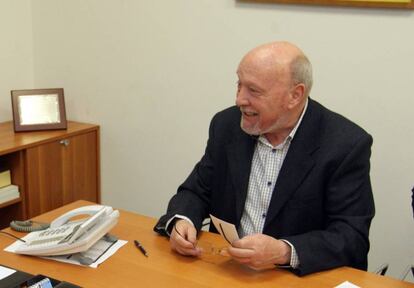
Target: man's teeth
250, 113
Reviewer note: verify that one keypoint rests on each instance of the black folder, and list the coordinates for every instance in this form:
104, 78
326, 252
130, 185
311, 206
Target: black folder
20, 279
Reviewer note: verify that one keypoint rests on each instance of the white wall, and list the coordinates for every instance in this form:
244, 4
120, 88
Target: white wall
152, 74
16, 46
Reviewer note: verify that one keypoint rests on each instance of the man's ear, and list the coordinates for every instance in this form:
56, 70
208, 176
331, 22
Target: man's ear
297, 95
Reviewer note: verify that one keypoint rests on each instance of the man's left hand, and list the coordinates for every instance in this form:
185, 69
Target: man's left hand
259, 251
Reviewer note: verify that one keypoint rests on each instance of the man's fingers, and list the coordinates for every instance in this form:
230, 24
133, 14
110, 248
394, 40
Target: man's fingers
243, 256
240, 252
224, 252
188, 251
192, 236
242, 260
183, 238
185, 233
183, 246
182, 242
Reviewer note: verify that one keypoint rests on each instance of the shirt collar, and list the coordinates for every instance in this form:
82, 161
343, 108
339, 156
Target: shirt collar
293, 132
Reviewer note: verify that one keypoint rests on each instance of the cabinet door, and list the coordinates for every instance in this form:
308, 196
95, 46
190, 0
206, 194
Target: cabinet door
80, 168
61, 172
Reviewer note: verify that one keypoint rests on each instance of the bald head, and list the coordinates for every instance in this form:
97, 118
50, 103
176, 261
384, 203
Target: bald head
274, 83
281, 59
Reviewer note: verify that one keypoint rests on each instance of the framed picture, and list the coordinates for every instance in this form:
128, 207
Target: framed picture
38, 109
407, 4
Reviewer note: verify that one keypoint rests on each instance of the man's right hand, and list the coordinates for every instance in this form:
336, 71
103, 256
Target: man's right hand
183, 238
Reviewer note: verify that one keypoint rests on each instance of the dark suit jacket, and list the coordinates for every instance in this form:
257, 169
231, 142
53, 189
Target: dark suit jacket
322, 202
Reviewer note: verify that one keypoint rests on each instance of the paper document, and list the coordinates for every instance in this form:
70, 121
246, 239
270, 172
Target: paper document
5, 272
226, 229
346, 284
97, 254
94, 256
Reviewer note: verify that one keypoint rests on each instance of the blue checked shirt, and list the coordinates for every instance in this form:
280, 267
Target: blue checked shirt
266, 164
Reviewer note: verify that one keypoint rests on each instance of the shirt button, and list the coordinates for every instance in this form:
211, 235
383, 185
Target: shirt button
264, 215
269, 183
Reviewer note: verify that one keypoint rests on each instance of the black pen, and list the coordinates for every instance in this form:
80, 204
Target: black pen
139, 246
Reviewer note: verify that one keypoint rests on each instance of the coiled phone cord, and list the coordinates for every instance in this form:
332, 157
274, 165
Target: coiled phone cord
28, 226
25, 226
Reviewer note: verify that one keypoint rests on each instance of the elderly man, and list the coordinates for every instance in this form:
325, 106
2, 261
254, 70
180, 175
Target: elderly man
290, 174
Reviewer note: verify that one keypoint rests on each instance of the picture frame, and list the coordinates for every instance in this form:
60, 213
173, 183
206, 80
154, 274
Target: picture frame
38, 109
403, 4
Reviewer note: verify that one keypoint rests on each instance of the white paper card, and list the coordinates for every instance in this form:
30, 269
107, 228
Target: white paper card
5, 272
347, 284
226, 229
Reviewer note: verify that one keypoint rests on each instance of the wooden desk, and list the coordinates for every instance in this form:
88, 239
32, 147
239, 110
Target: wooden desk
164, 268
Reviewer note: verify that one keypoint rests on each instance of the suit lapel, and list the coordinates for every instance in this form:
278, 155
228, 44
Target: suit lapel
298, 162
240, 154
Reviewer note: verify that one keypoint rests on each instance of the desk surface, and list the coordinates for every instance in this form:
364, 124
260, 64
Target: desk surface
164, 268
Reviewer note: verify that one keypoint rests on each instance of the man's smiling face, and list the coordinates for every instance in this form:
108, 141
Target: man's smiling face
262, 94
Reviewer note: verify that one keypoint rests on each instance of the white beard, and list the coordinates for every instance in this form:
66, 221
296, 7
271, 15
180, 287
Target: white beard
255, 130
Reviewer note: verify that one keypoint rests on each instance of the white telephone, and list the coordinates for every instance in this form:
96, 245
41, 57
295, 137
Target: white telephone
64, 237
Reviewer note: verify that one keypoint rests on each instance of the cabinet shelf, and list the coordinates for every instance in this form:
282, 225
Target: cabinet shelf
51, 168
10, 202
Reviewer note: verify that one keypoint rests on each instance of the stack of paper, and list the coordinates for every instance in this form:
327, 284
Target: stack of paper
5, 179
9, 193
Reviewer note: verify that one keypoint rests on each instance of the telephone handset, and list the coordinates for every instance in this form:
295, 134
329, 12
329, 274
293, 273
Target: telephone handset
64, 237
85, 210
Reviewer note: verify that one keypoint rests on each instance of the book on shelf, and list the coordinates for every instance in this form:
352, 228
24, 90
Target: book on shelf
5, 178
9, 193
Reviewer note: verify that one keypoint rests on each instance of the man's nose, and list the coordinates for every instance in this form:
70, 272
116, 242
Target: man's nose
242, 98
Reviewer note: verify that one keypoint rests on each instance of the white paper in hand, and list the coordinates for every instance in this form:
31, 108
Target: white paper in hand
226, 229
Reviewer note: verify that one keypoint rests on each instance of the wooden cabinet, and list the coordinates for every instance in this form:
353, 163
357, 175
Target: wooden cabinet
51, 168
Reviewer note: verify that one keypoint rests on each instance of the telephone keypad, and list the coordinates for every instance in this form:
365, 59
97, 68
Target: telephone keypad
53, 234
